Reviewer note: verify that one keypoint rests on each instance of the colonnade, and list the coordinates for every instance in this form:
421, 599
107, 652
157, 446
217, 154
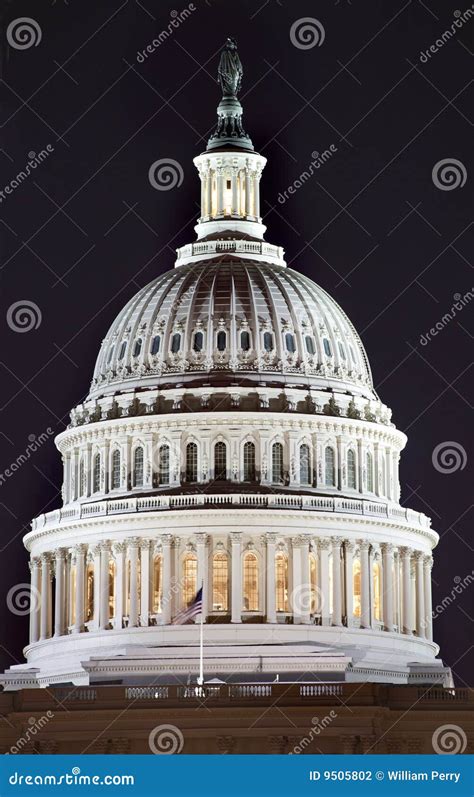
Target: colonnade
141, 582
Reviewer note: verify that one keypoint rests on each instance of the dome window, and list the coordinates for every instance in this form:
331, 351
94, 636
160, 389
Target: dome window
290, 342
268, 341
164, 465
351, 469
221, 341
342, 351
109, 357
198, 341
249, 462
352, 354
137, 347
245, 341
176, 343
191, 474
155, 344
327, 347
277, 463
330, 467
123, 346
310, 347
305, 470
220, 461
138, 467
115, 474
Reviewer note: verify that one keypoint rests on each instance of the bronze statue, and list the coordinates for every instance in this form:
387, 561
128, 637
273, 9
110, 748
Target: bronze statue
230, 71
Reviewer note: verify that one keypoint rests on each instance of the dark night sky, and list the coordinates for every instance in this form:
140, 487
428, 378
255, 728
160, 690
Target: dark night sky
86, 229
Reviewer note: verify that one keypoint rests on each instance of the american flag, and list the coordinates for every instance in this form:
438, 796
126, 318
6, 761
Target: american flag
194, 608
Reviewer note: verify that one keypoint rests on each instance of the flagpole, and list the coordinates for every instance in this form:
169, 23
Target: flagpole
201, 646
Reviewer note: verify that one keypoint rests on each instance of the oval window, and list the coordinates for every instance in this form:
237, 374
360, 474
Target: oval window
244, 341
198, 341
327, 347
137, 347
342, 351
221, 340
155, 344
290, 342
176, 343
268, 341
310, 348
123, 346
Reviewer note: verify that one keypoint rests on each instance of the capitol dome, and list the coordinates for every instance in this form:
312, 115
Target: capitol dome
232, 318
232, 466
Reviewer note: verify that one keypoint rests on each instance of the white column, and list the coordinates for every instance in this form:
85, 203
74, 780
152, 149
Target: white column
166, 542
364, 584
323, 548
339, 463
235, 192
420, 595
45, 614
60, 596
427, 565
145, 582
360, 467
349, 581
406, 587
80, 557
133, 584
256, 189
236, 583
94, 558
35, 599
208, 211
120, 550
220, 191
298, 592
270, 571
376, 469
88, 466
387, 571
336, 581
202, 571
202, 177
104, 586
305, 580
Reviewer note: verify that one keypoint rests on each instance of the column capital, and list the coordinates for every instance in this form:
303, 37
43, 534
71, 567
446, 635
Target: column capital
201, 538
119, 547
364, 545
337, 541
324, 543
105, 545
145, 545
299, 541
428, 561
132, 542
349, 546
34, 563
406, 552
235, 537
167, 539
80, 549
46, 558
388, 548
270, 537
418, 556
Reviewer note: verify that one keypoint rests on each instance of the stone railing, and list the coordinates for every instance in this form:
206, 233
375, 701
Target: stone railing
158, 503
211, 248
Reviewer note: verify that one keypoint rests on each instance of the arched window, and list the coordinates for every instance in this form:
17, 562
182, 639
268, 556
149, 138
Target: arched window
157, 584
189, 578
249, 462
191, 474
370, 472
351, 469
356, 582
176, 343
310, 347
290, 343
111, 588
268, 341
89, 613
327, 347
329, 469
342, 351
220, 461
245, 341
155, 345
281, 582
138, 467
198, 341
377, 590
305, 473
313, 578
164, 464
251, 591
137, 347
82, 478
221, 340
96, 473
277, 463
115, 476
123, 346
220, 583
